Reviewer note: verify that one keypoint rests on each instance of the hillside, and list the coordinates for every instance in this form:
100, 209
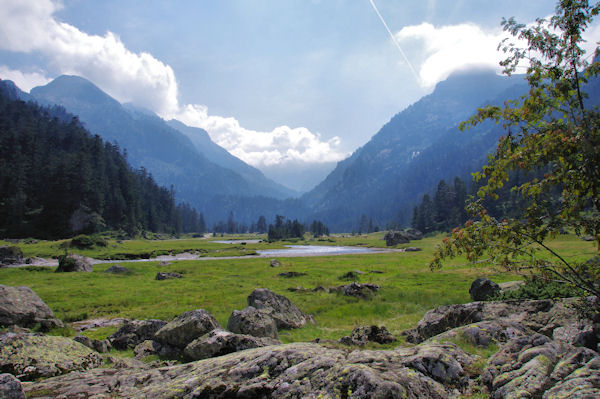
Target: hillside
411, 153
169, 155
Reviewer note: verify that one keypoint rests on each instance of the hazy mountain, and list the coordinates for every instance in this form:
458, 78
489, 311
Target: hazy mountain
412, 152
220, 156
167, 153
299, 176
12, 92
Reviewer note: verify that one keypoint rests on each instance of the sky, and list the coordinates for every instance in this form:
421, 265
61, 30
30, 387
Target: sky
278, 83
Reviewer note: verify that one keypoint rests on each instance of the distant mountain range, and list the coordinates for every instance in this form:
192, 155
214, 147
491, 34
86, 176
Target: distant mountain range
383, 180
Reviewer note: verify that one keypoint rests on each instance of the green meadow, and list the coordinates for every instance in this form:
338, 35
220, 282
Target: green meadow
408, 287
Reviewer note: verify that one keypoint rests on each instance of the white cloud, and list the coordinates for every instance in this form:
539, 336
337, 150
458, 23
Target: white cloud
446, 49
282, 145
24, 80
29, 26
449, 48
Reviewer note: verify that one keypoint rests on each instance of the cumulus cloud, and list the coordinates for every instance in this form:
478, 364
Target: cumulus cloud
446, 49
24, 80
282, 145
29, 26
449, 48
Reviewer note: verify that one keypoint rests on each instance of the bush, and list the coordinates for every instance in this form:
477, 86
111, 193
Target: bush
541, 288
83, 241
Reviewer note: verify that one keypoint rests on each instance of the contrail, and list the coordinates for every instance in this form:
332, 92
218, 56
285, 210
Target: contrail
412, 69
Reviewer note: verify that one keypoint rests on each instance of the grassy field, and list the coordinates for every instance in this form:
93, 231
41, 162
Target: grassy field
408, 287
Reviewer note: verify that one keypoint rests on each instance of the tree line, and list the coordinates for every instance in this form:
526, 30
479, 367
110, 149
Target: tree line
58, 180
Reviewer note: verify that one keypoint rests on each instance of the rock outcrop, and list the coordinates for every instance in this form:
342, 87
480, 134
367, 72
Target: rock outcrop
10, 387
280, 308
32, 356
393, 238
135, 332
300, 370
253, 322
22, 307
362, 335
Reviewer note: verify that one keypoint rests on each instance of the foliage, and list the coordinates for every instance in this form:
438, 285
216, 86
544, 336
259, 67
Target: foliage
446, 211
285, 230
58, 180
85, 241
540, 288
552, 127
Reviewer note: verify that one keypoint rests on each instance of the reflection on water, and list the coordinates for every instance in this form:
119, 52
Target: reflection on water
315, 250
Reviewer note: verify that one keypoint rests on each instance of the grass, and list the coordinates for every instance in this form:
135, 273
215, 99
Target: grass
408, 287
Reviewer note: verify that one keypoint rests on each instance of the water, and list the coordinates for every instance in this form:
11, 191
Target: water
315, 250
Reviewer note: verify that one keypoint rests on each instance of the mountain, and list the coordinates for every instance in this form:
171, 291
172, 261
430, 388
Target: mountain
220, 156
168, 154
412, 152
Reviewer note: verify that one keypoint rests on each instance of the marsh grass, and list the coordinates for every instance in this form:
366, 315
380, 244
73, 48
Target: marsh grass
409, 287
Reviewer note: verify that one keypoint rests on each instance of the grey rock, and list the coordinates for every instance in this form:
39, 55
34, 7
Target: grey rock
22, 307
535, 366
280, 308
167, 275
274, 263
117, 269
31, 356
151, 347
219, 342
300, 370
74, 263
10, 255
135, 332
253, 322
413, 234
82, 339
511, 285
580, 333
541, 316
186, 327
412, 249
357, 290
364, 334
291, 274
485, 333
101, 346
483, 289
393, 238
10, 387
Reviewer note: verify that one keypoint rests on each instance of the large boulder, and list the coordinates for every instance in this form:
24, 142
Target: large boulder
483, 289
10, 255
219, 342
253, 322
22, 307
413, 234
280, 308
300, 370
32, 356
393, 238
74, 263
186, 327
134, 332
362, 335
10, 387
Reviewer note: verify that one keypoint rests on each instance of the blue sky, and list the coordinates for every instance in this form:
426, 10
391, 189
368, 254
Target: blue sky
276, 82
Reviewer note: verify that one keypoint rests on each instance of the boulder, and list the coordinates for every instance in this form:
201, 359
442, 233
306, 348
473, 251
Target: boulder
151, 347
22, 307
535, 366
32, 356
186, 327
275, 263
393, 238
10, 255
280, 308
117, 269
135, 332
364, 334
219, 342
167, 275
484, 333
253, 322
580, 333
363, 291
483, 289
300, 370
100, 346
412, 249
413, 234
74, 263
541, 316
10, 387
